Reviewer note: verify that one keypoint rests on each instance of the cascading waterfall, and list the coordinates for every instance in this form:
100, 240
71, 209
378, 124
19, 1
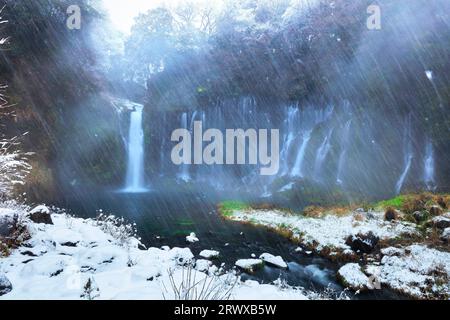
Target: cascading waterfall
135, 169
297, 171
292, 113
184, 169
408, 157
322, 153
342, 157
310, 118
316, 140
428, 174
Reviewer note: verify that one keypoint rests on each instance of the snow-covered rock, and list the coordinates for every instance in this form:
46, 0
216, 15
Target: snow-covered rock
5, 285
40, 209
327, 232
202, 265
192, 238
209, 254
392, 251
441, 222
416, 270
274, 261
249, 265
364, 243
446, 235
7, 223
352, 276
41, 214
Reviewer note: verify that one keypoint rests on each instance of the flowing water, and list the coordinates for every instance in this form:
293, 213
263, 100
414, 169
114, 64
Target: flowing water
408, 155
342, 157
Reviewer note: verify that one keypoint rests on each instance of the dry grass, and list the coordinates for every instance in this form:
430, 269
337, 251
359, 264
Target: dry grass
320, 212
206, 288
19, 235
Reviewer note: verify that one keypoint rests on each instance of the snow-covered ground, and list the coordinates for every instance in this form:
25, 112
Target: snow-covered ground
330, 231
415, 270
77, 258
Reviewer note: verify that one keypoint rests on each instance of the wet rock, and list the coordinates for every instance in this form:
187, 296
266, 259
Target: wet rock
420, 216
436, 211
446, 235
390, 214
41, 214
5, 285
364, 243
69, 244
7, 226
440, 201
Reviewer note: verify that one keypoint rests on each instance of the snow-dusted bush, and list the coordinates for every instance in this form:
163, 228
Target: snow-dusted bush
123, 232
14, 217
14, 165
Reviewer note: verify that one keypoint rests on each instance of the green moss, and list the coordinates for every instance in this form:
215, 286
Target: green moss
227, 208
396, 202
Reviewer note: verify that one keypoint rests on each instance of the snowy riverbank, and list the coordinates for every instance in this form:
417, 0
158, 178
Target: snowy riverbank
74, 258
379, 253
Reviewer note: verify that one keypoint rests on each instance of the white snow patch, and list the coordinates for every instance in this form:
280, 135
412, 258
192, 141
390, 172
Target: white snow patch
329, 231
209, 254
249, 264
275, 261
414, 270
192, 238
353, 276
119, 268
40, 209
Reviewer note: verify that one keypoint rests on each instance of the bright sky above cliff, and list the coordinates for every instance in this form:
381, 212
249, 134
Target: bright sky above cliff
122, 13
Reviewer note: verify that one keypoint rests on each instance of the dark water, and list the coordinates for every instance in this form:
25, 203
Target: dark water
166, 218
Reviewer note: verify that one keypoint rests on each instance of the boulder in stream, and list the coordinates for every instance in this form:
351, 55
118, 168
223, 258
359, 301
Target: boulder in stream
274, 261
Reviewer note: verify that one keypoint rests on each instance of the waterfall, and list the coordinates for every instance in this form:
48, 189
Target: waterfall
408, 155
341, 163
309, 118
322, 153
428, 174
291, 116
135, 168
184, 169
297, 171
